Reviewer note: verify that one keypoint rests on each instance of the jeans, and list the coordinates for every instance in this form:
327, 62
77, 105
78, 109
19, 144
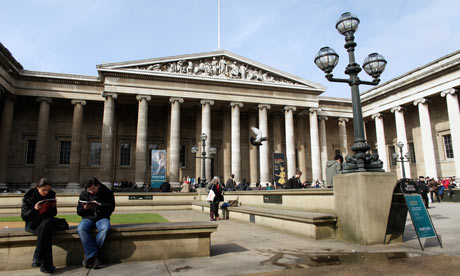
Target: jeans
90, 244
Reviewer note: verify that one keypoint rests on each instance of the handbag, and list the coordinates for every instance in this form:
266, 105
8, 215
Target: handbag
61, 224
211, 196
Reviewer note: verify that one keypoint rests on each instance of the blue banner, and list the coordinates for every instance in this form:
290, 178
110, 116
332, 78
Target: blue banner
158, 169
419, 215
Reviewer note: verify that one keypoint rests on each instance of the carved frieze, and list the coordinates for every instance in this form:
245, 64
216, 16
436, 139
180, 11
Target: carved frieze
216, 67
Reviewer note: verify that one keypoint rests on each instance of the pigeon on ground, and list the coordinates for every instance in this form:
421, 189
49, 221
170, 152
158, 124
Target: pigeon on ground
259, 139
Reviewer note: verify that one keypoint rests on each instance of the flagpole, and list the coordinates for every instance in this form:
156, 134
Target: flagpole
218, 24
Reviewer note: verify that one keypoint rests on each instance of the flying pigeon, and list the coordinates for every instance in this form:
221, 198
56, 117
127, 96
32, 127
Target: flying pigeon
259, 139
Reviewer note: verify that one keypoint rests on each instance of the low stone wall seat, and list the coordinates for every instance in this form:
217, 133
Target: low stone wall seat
312, 225
128, 242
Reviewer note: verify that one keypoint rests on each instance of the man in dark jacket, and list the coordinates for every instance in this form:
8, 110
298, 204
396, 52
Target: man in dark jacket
95, 206
230, 184
165, 187
294, 182
423, 188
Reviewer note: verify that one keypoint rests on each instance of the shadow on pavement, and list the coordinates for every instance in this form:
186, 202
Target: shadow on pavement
220, 249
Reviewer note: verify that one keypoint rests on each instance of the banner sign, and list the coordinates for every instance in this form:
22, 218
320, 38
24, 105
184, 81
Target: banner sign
419, 215
279, 169
158, 168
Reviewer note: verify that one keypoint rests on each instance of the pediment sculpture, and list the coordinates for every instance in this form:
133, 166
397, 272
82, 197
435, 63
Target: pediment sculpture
219, 67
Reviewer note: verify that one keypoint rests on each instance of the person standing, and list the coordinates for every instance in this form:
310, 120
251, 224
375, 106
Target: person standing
294, 182
423, 188
333, 168
216, 187
38, 211
433, 185
95, 206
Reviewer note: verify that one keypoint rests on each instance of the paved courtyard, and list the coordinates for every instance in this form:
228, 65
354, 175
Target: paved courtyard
244, 248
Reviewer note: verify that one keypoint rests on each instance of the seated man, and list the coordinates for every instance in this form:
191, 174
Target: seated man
95, 206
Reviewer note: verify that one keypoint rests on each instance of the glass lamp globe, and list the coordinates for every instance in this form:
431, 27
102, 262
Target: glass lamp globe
374, 65
347, 23
194, 149
395, 155
203, 137
212, 150
407, 155
326, 59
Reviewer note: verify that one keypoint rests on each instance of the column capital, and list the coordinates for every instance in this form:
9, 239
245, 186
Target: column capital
289, 107
109, 94
44, 99
397, 109
82, 102
173, 100
420, 101
451, 91
261, 106
143, 97
342, 119
210, 102
314, 109
321, 117
239, 104
377, 116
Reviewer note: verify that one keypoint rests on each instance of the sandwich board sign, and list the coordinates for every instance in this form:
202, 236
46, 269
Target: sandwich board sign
406, 198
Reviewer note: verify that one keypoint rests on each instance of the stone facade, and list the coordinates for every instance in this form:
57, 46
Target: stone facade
166, 103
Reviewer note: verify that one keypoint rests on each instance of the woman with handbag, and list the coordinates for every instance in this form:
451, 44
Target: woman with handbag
216, 188
38, 211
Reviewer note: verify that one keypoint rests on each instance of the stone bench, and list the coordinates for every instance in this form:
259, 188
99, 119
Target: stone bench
312, 225
125, 243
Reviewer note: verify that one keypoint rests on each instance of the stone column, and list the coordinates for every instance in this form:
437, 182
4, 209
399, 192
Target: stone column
315, 149
264, 149
277, 133
198, 144
454, 122
290, 145
342, 122
5, 135
206, 128
108, 127
253, 168
401, 134
301, 145
141, 139
427, 138
75, 148
323, 145
42, 135
236, 140
227, 134
381, 142
174, 142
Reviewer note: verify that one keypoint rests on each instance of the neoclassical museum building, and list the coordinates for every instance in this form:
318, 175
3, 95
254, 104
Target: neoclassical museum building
71, 127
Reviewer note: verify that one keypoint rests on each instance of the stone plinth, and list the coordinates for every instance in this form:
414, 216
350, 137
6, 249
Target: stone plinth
362, 204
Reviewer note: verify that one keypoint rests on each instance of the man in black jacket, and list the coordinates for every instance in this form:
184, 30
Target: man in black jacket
95, 206
423, 188
294, 182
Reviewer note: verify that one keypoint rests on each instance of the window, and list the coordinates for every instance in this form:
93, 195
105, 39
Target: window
412, 153
30, 151
182, 156
392, 151
95, 154
125, 154
64, 152
448, 146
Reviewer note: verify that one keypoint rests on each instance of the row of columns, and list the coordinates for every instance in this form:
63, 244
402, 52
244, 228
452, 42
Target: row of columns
231, 149
426, 134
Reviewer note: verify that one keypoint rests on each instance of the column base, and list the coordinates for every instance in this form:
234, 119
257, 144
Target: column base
362, 204
73, 188
175, 186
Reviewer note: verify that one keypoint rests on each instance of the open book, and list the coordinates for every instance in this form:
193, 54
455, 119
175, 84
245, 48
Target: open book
90, 202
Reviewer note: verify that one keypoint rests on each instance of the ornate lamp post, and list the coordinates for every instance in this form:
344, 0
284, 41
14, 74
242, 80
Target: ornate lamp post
374, 64
401, 158
212, 151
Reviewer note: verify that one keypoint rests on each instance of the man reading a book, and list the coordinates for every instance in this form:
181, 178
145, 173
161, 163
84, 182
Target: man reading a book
95, 206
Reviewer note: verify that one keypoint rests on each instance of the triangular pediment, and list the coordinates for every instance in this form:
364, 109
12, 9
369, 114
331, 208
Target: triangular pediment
218, 65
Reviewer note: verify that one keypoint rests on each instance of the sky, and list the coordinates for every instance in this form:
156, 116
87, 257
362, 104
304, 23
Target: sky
72, 37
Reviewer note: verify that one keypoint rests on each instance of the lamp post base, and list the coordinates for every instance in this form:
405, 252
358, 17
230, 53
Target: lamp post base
362, 161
